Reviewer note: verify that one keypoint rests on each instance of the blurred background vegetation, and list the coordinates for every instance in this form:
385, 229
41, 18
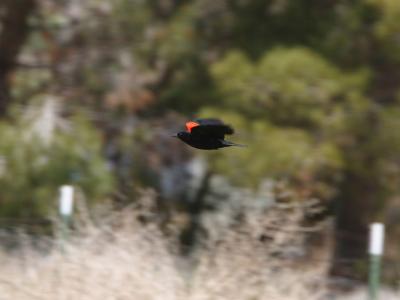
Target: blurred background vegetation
90, 92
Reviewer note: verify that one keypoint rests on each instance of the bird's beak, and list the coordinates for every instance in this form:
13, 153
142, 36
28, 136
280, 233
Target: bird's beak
174, 135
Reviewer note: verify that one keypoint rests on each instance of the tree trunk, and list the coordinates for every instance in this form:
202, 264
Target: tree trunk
14, 29
361, 198
355, 210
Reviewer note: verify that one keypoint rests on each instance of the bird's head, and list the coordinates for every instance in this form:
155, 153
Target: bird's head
182, 135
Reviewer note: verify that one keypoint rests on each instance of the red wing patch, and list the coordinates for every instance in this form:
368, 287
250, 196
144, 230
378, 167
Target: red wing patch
190, 125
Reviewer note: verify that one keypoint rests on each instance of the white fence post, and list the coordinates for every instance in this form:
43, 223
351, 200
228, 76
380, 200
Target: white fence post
375, 250
66, 204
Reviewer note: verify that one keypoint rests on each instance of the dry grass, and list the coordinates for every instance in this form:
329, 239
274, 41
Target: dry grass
127, 263
123, 259
361, 294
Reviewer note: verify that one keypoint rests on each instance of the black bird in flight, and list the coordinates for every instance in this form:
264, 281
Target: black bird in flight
206, 134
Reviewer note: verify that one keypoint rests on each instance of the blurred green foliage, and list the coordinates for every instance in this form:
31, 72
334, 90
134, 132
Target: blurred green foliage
291, 87
36, 161
388, 27
292, 107
282, 153
298, 79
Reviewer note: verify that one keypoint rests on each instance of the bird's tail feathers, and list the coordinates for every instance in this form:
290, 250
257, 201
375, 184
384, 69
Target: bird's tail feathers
228, 143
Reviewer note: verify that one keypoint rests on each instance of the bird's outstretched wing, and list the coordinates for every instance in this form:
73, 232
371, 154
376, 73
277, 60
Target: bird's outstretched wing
210, 127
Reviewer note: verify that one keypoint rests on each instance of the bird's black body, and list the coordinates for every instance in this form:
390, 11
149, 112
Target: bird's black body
206, 134
201, 142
